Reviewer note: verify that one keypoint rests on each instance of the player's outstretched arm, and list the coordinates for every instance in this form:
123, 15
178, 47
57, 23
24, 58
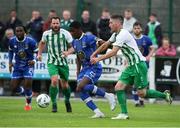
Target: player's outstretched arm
66, 53
100, 49
113, 52
40, 49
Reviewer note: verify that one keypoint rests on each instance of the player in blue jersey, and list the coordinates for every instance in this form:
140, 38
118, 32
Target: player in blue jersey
146, 47
87, 73
22, 49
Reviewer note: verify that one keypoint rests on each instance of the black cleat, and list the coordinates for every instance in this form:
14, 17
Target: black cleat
68, 107
54, 108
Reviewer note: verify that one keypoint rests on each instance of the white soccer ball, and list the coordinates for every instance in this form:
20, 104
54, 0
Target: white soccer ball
43, 100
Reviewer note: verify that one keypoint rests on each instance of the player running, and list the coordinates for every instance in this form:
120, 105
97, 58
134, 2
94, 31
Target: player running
23, 47
136, 71
87, 73
57, 41
146, 47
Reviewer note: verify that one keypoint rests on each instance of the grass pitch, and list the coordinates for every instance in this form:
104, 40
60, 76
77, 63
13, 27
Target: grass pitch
156, 115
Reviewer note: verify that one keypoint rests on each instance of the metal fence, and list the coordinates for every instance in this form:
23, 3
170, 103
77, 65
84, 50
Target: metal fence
166, 10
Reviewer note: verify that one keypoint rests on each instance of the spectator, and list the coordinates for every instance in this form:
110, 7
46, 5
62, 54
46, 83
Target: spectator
2, 29
66, 20
88, 26
35, 25
13, 20
153, 30
166, 49
103, 28
47, 23
5, 42
129, 20
35, 28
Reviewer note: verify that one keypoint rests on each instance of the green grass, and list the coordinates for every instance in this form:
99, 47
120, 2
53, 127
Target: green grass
157, 115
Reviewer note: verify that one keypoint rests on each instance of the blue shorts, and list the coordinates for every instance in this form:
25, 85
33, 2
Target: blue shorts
26, 72
93, 73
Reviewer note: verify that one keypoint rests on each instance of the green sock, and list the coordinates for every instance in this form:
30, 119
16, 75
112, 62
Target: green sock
122, 100
154, 94
66, 92
53, 91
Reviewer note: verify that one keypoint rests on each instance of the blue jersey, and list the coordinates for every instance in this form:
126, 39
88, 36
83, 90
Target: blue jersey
23, 51
84, 47
144, 43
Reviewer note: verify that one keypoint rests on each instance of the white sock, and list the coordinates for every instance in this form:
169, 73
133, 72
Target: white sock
106, 95
97, 111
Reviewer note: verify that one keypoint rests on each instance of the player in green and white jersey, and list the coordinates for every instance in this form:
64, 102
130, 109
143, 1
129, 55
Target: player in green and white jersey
57, 41
136, 71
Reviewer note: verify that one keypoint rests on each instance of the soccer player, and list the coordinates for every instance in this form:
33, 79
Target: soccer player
88, 74
146, 47
23, 47
57, 41
136, 71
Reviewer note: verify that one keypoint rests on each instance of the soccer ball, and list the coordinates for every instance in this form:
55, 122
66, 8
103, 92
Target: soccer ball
43, 100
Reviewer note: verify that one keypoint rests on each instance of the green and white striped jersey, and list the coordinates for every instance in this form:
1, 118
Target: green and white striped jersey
128, 46
56, 44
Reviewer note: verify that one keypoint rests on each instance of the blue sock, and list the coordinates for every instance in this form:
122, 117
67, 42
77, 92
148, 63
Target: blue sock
135, 96
28, 95
94, 89
87, 99
20, 90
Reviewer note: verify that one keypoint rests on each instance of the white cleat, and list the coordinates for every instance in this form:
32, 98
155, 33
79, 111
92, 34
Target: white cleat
112, 101
121, 116
98, 115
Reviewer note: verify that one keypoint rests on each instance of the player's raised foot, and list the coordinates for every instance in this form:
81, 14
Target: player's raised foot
27, 107
68, 107
112, 101
121, 116
54, 108
168, 96
98, 115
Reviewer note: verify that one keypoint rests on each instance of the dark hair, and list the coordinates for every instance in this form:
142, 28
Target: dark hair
19, 25
75, 24
137, 24
52, 10
118, 17
56, 17
153, 14
105, 10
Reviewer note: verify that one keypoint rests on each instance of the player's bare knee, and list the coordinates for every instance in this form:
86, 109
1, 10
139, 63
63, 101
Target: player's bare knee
54, 81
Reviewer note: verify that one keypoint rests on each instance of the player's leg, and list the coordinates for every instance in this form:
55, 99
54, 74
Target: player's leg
16, 80
121, 96
28, 74
91, 76
53, 90
139, 102
28, 93
64, 74
67, 93
125, 79
141, 83
90, 104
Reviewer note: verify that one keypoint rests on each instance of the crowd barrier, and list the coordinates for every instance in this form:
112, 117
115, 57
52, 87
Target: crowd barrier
162, 69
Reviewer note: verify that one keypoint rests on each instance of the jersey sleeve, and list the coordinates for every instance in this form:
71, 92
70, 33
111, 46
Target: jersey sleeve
68, 37
34, 45
112, 39
120, 39
92, 39
149, 41
44, 39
